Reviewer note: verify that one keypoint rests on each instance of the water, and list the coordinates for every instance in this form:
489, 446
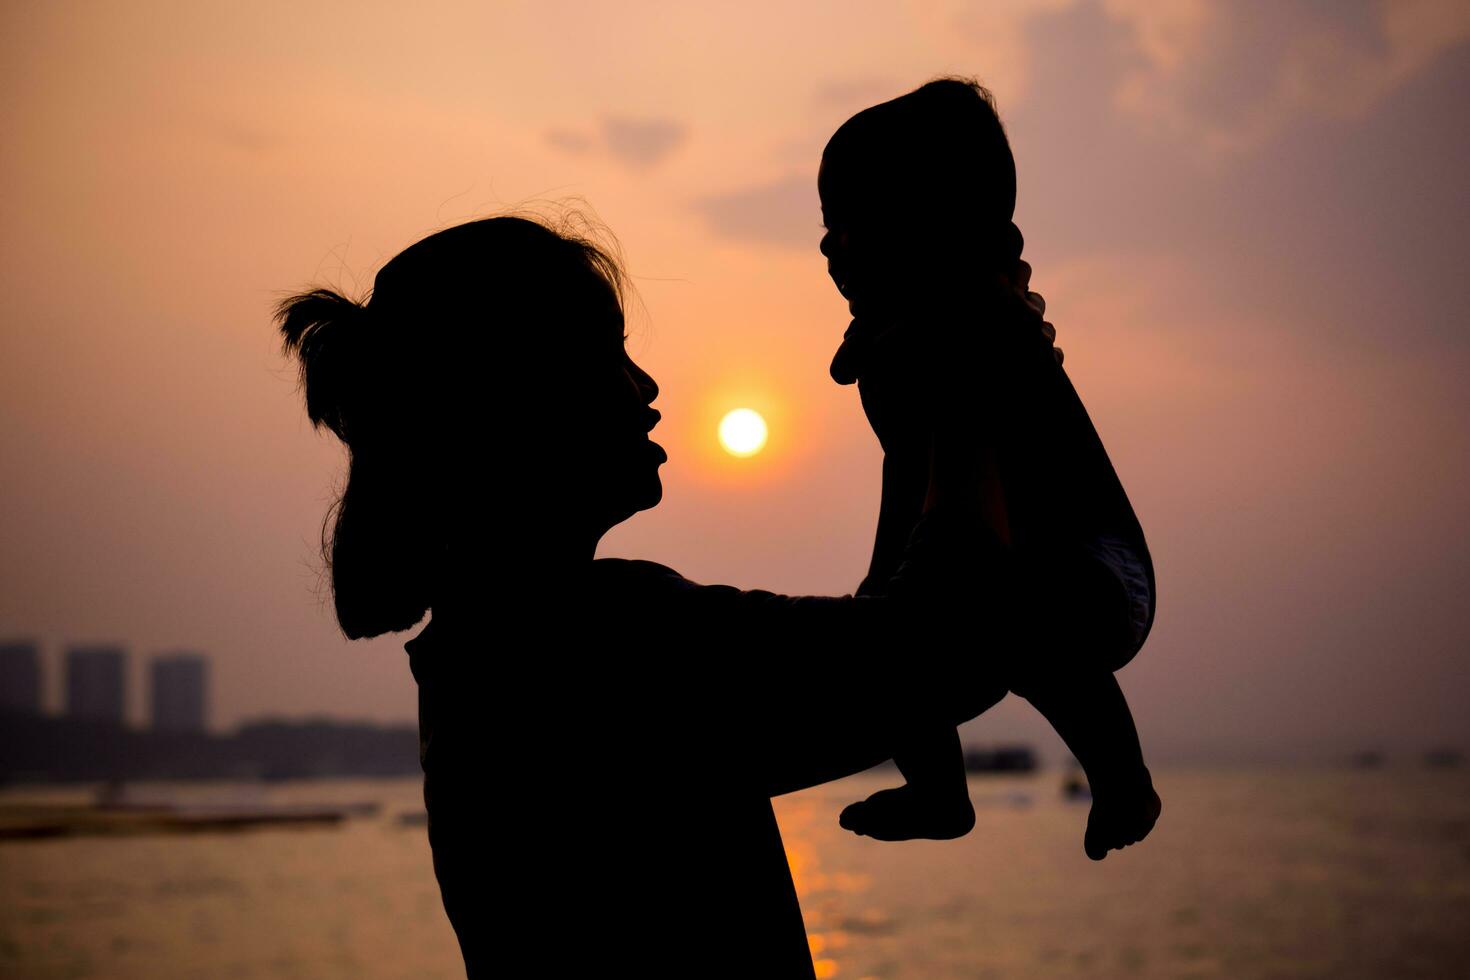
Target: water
1268, 873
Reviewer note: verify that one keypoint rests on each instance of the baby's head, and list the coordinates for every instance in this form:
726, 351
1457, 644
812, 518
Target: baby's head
918, 190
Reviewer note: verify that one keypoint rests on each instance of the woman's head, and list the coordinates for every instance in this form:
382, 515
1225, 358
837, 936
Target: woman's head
920, 186
483, 393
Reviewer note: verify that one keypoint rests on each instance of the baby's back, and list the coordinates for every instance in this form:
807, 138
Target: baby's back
1062, 492
1064, 482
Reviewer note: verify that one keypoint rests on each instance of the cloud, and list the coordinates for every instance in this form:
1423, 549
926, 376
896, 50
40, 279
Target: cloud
569, 141
986, 38
642, 143
1222, 75
638, 144
784, 212
1229, 77
854, 94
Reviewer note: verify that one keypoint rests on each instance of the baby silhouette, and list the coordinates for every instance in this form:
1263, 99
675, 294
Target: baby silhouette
917, 198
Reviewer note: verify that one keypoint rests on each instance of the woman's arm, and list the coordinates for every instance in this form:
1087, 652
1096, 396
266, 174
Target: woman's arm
869, 667
861, 715
905, 487
794, 691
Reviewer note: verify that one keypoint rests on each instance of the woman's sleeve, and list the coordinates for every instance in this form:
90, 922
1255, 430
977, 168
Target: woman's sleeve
800, 690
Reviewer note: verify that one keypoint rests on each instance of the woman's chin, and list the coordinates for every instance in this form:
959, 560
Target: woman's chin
653, 494
655, 484
645, 496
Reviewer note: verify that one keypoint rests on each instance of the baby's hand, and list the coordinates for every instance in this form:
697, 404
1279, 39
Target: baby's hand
847, 363
909, 375
890, 386
861, 339
1020, 283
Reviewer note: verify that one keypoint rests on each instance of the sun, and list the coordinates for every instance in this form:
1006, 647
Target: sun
743, 432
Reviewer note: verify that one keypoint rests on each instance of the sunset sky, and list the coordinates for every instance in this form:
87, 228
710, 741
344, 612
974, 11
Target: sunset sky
1248, 220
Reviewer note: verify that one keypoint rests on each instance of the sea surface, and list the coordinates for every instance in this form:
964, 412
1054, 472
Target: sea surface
1251, 873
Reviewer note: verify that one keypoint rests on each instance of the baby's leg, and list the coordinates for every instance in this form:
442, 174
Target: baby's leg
933, 804
1089, 712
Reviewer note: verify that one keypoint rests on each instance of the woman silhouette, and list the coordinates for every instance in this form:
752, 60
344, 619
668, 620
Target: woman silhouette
600, 739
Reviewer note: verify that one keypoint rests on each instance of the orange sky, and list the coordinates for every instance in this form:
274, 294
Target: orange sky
1248, 223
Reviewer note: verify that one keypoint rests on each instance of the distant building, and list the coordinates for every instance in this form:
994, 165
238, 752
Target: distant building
178, 683
95, 683
20, 678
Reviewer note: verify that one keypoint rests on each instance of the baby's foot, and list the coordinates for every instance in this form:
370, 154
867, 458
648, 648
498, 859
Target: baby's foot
1122, 814
905, 813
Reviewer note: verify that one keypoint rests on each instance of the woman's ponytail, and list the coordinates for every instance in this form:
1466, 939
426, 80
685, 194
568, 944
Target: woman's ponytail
374, 538
325, 331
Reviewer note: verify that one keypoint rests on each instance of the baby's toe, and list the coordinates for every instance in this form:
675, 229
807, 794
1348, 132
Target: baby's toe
851, 817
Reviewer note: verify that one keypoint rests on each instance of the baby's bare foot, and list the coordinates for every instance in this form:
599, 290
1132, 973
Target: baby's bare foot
1121, 815
904, 813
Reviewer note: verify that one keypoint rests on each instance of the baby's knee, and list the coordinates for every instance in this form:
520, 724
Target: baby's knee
1094, 624
1027, 679
1078, 641
974, 700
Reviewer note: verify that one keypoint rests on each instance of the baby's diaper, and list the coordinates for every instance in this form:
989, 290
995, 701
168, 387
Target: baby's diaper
1118, 555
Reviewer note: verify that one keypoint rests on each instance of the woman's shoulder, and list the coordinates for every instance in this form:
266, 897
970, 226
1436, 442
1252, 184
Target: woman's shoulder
635, 573
632, 582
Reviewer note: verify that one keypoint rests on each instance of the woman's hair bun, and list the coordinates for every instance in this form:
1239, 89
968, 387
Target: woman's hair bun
326, 332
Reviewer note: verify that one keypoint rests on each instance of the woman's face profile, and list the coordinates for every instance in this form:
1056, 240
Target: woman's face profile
646, 456
623, 460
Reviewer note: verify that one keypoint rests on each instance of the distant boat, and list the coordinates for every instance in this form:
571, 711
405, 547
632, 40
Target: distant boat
122, 810
1443, 758
33, 823
1074, 787
1002, 758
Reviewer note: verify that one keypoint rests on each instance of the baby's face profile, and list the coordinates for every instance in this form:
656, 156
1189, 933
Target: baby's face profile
876, 253
850, 245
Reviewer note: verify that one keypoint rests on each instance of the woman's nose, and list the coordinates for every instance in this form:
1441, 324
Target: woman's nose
646, 384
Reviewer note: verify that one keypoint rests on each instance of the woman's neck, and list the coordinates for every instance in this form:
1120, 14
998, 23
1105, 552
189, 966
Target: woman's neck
509, 563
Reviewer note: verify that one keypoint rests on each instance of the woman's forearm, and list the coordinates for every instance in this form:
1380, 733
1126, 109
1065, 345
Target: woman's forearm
906, 479
957, 471
964, 477
956, 466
